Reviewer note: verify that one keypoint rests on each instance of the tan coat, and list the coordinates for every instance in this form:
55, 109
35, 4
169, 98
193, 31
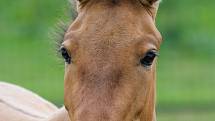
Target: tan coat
110, 50
19, 104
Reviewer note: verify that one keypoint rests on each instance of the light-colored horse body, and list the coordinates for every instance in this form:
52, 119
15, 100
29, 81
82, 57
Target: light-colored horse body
19, 104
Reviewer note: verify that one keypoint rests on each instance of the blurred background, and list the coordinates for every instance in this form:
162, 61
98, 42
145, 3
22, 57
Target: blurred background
186, 68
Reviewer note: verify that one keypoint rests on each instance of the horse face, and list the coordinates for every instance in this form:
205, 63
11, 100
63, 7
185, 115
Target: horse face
110, 52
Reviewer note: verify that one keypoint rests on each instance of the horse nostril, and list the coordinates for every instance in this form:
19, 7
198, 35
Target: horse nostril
137, 115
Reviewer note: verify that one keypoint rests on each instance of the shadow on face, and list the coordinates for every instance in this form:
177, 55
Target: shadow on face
110, 53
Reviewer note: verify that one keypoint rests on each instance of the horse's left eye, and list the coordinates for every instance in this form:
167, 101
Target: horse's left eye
149, 58
65, 55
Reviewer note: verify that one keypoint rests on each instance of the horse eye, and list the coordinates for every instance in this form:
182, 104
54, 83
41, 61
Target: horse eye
149, 58
65, 55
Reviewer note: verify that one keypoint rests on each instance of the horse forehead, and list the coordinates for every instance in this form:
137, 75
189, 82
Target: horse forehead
110, 31
114, 36
107, 47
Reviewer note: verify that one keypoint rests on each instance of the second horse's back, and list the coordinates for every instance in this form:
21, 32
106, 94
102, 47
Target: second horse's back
19, 104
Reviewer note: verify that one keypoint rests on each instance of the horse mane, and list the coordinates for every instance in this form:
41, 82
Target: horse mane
145, 2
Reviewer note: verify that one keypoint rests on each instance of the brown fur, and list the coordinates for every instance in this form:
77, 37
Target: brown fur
105, 81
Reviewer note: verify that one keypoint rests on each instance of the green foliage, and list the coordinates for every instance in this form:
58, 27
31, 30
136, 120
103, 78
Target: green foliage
186, 67
186, 116
28, 56
188, 24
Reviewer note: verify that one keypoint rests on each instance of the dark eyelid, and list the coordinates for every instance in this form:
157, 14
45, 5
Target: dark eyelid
65, 54
62, 47
152, 51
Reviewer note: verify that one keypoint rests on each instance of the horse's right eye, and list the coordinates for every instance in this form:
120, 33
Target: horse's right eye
149, 58
65, 55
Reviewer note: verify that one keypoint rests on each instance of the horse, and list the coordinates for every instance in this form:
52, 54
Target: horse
110, 52
19, 104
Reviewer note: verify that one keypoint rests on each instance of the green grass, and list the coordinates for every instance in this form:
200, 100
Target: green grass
186, 68
186, 116
184, 77
33, 65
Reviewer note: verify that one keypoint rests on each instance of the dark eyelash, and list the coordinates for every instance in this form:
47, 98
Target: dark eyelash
57, 36
60, 33
63, 24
